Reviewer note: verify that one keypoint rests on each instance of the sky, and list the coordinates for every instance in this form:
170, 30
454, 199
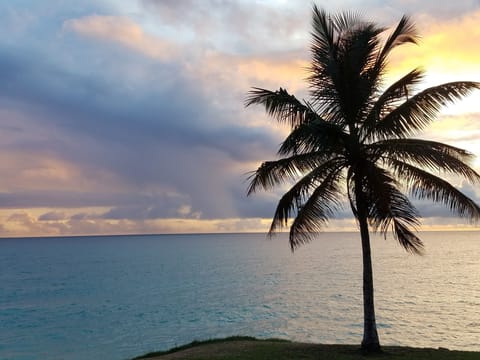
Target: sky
121, 117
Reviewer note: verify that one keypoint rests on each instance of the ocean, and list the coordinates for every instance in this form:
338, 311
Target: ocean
117, 297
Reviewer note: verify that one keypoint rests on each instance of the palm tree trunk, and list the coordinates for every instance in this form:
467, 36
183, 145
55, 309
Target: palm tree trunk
370, 342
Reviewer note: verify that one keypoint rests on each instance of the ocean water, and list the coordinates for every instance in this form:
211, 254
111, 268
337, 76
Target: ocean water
121, 296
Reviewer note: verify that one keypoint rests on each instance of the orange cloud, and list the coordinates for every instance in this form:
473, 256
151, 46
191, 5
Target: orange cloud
123, 31
448, 49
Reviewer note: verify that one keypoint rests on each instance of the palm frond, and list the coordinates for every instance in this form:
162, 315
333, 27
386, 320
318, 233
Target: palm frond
294, 199
315, 212
279, 104
346, 21
421, 109
324, 67
385, 200
407, 238
315, 136
405, 32
272, 173
398, 91
424, 185
323, 32
388, 208
427, 154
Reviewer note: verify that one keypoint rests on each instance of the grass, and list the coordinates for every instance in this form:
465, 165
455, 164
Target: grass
204, 342
249, 348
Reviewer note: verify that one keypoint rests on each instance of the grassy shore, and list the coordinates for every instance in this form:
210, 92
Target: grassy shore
248, 348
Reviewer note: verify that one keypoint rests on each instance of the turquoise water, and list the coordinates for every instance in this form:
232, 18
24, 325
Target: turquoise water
117, 297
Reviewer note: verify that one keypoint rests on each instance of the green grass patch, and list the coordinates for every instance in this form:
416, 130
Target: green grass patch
249, 348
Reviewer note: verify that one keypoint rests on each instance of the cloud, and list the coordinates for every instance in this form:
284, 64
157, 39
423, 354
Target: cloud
117, 145
234, 27
167, 205
83, 216
123, 31
24, 224
52, 216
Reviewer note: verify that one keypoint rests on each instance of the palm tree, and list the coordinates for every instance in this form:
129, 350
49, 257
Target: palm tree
353, 140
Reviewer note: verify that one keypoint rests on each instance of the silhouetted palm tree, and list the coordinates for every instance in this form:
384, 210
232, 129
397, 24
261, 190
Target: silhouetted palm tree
352, 141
